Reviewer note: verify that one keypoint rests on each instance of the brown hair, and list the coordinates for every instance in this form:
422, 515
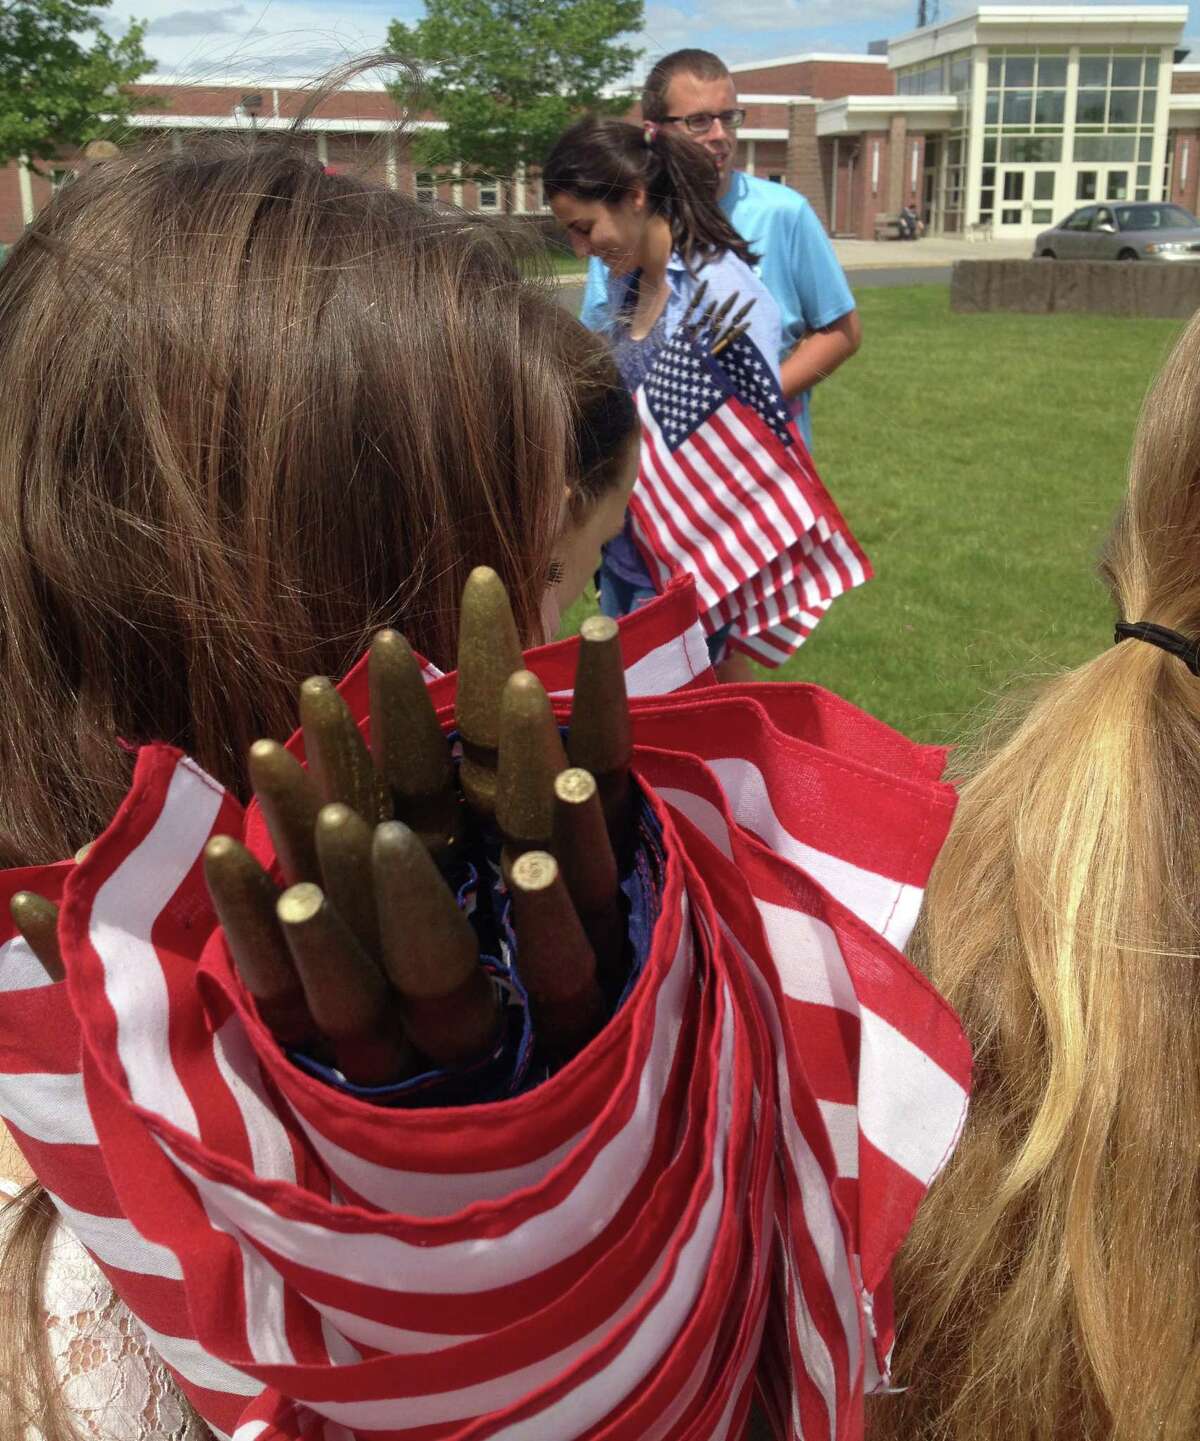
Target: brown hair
703, 64
1049, 1290
606, 160
252, 412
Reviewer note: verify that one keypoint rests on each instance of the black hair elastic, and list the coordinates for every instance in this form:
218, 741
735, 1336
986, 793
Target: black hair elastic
1188, 651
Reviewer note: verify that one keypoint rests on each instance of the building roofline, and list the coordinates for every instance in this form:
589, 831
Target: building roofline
1048, 15
258, 82
155, 120
842, 57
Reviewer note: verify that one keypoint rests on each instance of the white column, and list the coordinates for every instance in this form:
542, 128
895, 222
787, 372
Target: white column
25, 182
973, 172
519, 198
833, 198
457, 193
390, 162
176, 142
322, 147
750, 148
1064, 193
1162, 120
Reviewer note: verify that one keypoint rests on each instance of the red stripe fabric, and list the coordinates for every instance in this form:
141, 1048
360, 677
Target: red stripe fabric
704, 1201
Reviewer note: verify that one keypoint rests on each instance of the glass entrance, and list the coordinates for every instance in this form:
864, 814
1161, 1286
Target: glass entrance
1026, 199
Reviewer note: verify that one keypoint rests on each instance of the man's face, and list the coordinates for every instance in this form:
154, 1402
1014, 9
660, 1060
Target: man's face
689, 95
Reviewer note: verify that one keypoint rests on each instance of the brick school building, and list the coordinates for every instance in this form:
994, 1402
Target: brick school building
999, 121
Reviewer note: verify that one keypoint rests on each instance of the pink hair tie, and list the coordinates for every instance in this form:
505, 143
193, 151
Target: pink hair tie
649, 131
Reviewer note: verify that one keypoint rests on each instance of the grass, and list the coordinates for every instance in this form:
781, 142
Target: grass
563, 263
979, 459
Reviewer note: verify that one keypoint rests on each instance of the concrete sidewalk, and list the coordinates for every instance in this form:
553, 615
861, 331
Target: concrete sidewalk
935, 250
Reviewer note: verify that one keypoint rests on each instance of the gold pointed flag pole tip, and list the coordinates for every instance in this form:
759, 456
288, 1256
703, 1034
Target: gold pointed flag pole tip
736, 320
489, 650
37, 920
431, 954
410, 753
531, 755
700, 292
344, 850
730, 302
350, 1000
244, 897
289, 804
554, 958
600, 737
728, 338
338, 759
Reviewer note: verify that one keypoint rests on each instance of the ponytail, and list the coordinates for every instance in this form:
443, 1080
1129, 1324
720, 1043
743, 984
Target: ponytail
606, 160
1049, 1290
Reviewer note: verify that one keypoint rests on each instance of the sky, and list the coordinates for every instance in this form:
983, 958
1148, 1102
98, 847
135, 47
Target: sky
275, 38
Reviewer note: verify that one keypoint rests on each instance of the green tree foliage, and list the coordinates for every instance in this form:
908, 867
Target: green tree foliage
61, 75
508, 76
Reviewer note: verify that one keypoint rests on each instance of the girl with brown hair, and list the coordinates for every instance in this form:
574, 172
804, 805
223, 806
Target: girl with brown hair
644, 202
253, 412
1048, 1291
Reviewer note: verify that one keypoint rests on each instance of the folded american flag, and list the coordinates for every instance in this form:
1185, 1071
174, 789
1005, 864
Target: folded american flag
706, 1199
727, 493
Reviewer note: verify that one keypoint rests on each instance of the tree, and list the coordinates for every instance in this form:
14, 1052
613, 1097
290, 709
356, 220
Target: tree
508, 76
61, 75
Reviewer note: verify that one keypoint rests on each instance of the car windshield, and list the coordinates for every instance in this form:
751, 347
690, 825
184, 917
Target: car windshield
1155, 217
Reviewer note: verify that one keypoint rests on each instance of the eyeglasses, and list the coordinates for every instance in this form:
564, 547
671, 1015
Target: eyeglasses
703, 120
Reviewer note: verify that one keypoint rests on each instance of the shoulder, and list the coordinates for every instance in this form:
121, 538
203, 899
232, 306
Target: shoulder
728, 275
772, 197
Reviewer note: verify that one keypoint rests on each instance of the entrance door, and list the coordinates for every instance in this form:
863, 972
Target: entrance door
930, 207
1118, 183
1026, 200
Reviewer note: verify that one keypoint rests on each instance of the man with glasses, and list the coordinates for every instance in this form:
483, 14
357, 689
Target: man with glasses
693, 92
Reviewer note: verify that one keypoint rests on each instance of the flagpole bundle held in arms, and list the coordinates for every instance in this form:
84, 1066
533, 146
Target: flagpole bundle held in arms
522, 1062
728, 494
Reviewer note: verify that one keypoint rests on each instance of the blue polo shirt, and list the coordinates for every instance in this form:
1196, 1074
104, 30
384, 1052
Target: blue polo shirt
796, 264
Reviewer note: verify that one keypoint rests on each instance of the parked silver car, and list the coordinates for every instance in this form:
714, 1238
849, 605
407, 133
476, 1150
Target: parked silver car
1120, 230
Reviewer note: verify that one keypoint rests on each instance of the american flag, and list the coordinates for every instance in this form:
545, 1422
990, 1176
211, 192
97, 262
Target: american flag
727, 493
704, 1201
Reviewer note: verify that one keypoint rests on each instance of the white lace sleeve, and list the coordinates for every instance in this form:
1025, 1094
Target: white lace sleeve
114, 1386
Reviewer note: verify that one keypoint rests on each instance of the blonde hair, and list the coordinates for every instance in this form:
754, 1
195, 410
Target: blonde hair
1050, 1287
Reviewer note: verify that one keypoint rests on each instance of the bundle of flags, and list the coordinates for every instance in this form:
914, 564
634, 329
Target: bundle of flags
727, 493
704, 1202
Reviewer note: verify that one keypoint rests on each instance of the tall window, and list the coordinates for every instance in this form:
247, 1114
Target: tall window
426, 189
1025, 108
489, 193
954, 183
1114, 112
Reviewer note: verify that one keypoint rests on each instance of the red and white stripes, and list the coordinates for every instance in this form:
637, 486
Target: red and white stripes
705, 1200
749, 519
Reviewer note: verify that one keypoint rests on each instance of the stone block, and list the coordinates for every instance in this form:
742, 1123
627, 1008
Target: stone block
1084, 287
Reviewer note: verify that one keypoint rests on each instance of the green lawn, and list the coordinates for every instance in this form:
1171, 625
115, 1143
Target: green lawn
562, 262
978, 459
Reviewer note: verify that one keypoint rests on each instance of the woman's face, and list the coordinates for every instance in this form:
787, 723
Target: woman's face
613, 233
578, 548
